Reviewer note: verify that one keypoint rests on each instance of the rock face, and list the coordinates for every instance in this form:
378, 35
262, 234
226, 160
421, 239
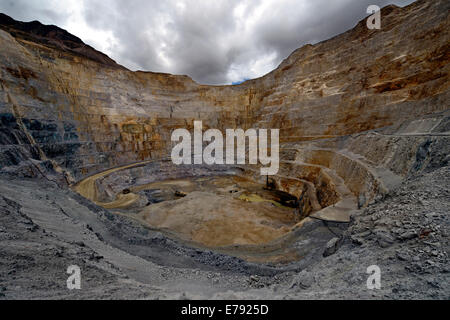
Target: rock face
71, 106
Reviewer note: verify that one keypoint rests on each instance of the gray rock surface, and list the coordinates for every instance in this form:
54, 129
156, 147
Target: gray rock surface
37, 246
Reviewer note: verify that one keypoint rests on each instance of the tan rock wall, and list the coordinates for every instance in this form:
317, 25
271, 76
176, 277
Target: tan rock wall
86, 116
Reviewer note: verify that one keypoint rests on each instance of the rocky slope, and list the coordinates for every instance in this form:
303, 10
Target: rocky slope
44, 229
364, 124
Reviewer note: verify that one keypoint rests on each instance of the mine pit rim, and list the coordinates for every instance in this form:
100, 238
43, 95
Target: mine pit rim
279, 243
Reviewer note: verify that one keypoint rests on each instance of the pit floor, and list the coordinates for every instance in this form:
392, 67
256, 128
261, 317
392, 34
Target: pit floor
215, 211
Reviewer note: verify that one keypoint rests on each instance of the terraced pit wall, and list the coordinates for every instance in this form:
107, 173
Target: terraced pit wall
66, 107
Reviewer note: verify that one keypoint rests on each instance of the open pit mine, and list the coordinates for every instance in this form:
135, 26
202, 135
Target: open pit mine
86, 176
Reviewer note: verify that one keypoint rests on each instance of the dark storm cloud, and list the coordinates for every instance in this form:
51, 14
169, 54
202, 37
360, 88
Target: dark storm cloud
163, 36
214, 42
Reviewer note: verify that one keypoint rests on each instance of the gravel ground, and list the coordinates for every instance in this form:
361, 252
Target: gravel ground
44, 229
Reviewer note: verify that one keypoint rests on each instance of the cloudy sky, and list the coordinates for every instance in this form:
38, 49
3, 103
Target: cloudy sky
212, 41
